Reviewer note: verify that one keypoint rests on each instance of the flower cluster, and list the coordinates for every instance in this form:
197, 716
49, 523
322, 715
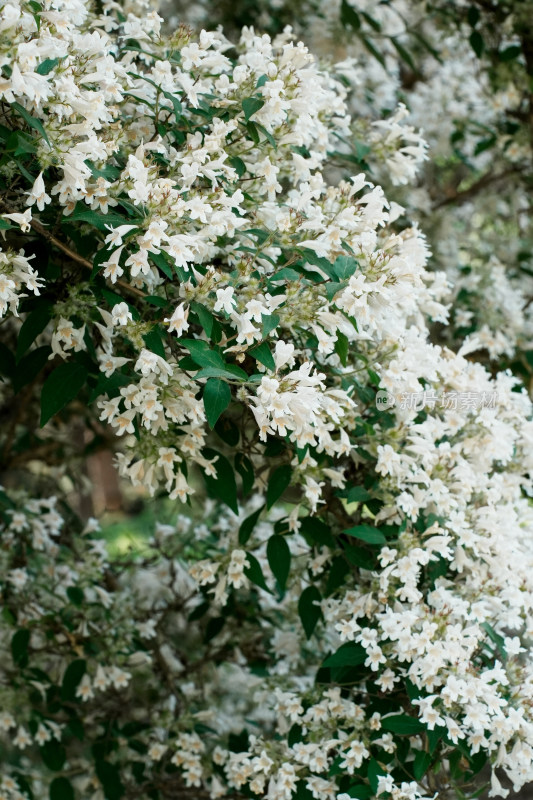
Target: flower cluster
211, 298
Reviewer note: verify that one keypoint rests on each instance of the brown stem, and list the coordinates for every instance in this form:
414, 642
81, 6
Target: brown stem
41, 230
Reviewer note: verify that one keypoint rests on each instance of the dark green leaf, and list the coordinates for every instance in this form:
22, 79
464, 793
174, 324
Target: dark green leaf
316, 532
473, 16
366, 533
75, 595
19, 647
373, 772
33, 325
46, 66
61, 789
279, 558
338, 570
263, 354
238, 165
421, 764
217, 397
109, 776
247, 526
278, 481
223, 486
254, 573
341, 348
245, 468
205, 317
71, 679
270, 322
510, 53
403, 724
202, 354
94, 218
7, 361
344, 267
250, 105
403, 53
53, 755
349, 17
357, 494
61, 386
372, 49
162, 264
477, 43
34, 123
309, 610
349, 654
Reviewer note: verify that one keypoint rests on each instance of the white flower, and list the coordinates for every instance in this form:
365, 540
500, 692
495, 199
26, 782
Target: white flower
178, 321
38, 194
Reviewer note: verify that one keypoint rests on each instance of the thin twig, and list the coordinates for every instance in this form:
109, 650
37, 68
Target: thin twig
41, 230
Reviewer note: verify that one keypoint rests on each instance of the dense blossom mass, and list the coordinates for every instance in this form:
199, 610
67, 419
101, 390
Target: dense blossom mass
346, 613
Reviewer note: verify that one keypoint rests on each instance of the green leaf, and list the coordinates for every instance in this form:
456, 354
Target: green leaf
403, 53
372, 49
19, 647
496, 638
73, 675
341, 348
476, 42
94, 218
154, 300
61, 386
109, 776
349, 654
473, 16
421, 764
34, 123
338, 570
316, 532
33, 325
373, 772
178, 108
360, 792
344, 267
250, 105
223, 486
238, 165
162, 264
279, 558
53, 755
270, 322
510, 53
5, 225
277, 483
366, 533
263, 354
7, 361
217, 397
202, 354
229, 371
254, 573
29, 367
205, 317
247, 526
402, 724
61, 789
245, 468
357, 494
349, 17
75, 595
46, 66
308, 609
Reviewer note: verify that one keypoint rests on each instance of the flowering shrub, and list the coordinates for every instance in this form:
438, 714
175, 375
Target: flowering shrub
187, 267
